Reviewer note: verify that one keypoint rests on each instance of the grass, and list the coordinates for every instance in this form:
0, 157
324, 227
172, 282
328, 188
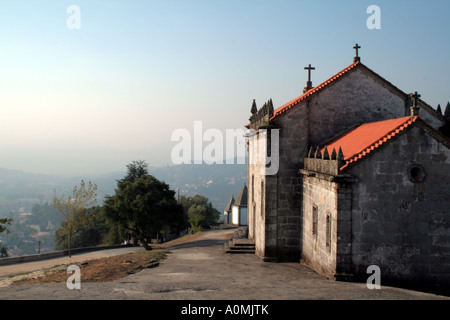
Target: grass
106, 269
100, 270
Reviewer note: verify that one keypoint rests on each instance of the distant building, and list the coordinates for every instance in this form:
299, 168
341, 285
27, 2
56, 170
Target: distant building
227, 211
239, 208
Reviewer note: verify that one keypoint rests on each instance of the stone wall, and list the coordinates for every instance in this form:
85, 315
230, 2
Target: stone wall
256, 197
319, 194
327, 191
401, 211
54, 254
355, 99
293, 148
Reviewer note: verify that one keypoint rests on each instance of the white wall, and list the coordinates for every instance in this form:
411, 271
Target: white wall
235, 216
239, 216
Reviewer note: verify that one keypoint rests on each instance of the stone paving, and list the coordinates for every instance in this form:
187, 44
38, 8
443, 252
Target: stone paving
201, 270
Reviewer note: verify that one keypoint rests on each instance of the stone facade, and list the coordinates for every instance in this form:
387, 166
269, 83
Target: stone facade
354, 96
326, 238
261, 204
389, 209
401, 219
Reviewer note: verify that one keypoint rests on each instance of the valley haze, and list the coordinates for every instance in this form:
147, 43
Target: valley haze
217, 182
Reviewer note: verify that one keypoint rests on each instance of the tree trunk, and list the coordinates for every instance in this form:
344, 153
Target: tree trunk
144, 243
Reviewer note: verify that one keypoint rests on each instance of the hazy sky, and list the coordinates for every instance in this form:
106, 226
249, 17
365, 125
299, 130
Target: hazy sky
93, 99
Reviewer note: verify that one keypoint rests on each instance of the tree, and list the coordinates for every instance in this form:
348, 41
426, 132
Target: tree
143, 205
196, 216
73, 206
199, 212
89, 229
3, 228
136, 169
3, 252
3, 222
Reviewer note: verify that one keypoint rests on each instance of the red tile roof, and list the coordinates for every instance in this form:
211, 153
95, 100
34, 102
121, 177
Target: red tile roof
364, 139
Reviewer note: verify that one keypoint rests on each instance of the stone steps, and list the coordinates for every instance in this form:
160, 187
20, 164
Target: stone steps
230, 248
240, 244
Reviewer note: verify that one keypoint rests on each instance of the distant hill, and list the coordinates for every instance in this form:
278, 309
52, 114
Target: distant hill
216, 182
19, 189
16, 185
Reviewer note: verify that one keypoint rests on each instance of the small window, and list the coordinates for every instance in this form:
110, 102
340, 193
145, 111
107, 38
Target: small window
328, 236
416, 173
315, 220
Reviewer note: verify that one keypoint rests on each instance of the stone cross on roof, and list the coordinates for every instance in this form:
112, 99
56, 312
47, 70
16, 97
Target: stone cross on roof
357, 58
415, 96
414, 108
309, 83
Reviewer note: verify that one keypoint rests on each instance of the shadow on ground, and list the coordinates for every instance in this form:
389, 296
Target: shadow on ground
199, 243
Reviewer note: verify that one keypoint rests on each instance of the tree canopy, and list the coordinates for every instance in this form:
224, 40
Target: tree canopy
73, 206
3, 228
3, 223
199, 212
89, 229
143, 205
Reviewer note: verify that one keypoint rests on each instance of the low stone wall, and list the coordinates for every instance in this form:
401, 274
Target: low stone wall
241, 232
54, 254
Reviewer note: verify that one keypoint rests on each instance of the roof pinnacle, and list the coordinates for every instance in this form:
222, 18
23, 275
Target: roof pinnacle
254, 108
357, 58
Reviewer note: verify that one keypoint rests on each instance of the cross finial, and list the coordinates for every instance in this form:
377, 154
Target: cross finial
357, 58
415, 96
414, 108
309, 83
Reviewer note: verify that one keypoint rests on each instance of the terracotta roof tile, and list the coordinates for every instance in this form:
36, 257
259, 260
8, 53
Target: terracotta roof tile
364, 139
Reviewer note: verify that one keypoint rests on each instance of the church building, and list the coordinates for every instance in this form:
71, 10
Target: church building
363, 179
